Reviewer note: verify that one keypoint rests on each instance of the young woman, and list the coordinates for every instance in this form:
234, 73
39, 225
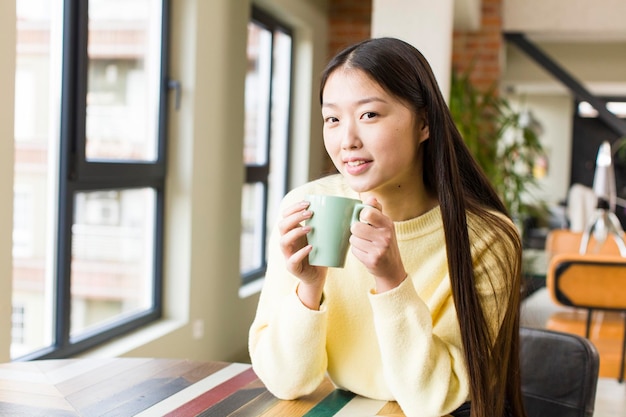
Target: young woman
426, 309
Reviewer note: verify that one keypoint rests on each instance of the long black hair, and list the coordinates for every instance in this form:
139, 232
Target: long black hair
453, 175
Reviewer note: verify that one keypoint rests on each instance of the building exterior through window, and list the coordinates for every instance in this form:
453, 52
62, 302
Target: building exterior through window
89, 173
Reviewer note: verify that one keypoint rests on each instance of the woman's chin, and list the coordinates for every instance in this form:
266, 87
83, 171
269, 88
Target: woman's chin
359, 186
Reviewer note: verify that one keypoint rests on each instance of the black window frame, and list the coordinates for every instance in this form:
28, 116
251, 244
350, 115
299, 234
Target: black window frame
259, 173
78, 174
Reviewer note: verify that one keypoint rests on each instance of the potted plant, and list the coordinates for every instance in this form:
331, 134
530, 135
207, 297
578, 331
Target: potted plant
505, 142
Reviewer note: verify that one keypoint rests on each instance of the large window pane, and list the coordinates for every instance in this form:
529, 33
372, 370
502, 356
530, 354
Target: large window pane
279, 134
37, 97
252, 222
112, 256
268, 86
258, 80
123, 79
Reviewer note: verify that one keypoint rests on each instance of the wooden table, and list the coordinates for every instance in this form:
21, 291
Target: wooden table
162, 387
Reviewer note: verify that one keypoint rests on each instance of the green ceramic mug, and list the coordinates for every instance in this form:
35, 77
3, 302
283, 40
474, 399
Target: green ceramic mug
330, 228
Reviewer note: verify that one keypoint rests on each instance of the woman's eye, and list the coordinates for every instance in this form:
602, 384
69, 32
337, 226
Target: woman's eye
331, 119
369, 115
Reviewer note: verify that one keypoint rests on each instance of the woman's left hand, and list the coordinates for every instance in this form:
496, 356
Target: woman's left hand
374, 243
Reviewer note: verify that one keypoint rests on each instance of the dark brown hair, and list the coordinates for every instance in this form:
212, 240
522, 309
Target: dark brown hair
453, 175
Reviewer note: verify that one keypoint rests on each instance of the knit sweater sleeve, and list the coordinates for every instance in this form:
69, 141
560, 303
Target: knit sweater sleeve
423, 369
421, 348
288, 354
286, 339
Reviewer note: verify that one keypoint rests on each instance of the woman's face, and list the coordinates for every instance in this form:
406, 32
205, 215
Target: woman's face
371, 136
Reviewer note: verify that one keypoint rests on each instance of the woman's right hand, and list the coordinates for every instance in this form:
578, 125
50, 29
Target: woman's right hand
296, 249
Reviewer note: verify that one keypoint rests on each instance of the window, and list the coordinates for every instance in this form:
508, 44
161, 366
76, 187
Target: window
616, 107
17, 325
23, 220
90, 117
266, 142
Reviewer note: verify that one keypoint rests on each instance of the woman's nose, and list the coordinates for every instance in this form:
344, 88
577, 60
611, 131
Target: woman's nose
350, 138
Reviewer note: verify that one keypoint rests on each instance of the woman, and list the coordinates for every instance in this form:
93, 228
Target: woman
426, 310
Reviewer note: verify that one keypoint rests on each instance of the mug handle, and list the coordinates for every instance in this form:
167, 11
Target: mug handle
356, 212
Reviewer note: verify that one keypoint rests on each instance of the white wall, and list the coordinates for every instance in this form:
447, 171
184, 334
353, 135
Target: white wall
583, 18
7, 85
425, 24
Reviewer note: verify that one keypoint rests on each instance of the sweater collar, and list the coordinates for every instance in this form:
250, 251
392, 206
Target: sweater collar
419, 226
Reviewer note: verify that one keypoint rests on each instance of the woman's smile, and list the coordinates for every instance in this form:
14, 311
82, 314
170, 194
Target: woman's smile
354, 166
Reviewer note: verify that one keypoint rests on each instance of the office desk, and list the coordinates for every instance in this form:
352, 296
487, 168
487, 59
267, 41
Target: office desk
162, 387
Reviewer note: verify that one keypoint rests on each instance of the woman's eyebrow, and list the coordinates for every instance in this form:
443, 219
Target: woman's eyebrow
364, 100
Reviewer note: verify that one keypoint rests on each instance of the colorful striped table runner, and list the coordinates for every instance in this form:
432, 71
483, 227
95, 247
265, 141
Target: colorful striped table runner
162, 387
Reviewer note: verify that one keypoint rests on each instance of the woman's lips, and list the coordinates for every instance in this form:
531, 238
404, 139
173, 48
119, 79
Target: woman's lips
357, 166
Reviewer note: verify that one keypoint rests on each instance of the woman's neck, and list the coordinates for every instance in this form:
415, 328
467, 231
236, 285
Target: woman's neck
401, 204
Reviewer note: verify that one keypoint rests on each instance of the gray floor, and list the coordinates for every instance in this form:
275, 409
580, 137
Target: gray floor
610, 398
611, 395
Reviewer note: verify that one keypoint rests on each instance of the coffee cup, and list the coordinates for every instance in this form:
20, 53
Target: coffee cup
330, 228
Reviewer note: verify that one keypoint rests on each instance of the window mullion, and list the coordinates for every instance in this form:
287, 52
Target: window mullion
72, 124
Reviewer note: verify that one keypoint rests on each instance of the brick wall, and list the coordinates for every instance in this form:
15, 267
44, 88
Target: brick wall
481, 49
350, 22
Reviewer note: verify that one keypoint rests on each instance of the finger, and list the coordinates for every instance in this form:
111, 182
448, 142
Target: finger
359, 244
373, 202
363, 230
293, 220
293, 240
294, 208
297, 262
371, 216
374, 254
366, 215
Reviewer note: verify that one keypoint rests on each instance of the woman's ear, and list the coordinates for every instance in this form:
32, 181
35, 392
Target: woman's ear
423, 134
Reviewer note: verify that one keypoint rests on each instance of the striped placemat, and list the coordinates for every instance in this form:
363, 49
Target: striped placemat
162, 387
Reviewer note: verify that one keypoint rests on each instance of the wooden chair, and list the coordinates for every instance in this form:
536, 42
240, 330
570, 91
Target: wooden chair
594, 285
559, 373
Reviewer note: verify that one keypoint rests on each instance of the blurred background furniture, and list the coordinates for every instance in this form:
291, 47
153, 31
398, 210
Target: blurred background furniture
559, 373
593, 287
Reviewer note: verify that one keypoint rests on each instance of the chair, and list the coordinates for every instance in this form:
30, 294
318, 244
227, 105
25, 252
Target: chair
592, 285
559, 373
561, 241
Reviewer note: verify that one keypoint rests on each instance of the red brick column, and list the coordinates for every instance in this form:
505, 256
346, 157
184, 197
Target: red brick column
350, 21
483, 48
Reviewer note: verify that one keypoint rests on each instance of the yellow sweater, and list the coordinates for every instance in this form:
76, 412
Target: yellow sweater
402, 345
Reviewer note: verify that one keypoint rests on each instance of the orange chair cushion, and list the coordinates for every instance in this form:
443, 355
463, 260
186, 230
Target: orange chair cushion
561, 241
588, 281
